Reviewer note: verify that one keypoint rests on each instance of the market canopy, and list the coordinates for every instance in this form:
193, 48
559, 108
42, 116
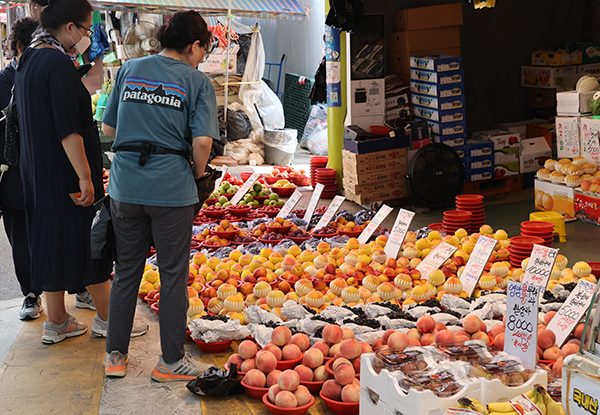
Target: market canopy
268, 9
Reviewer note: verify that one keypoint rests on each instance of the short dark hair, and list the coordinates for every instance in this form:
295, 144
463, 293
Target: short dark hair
59, 12
183, 29
20, 32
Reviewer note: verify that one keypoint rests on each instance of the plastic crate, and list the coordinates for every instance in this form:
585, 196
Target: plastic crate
296, 103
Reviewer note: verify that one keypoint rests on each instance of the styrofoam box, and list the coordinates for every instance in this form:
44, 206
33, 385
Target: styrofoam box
495, 391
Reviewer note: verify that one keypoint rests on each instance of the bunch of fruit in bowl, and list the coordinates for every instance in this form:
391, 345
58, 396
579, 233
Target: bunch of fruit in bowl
272, 236
233, 180
298, 233
257, 191
260, 230
225, 226
283, 183
216, 241
325, 230
273, 200
344, 225
224, 189
281, 223
243, 237
203, 235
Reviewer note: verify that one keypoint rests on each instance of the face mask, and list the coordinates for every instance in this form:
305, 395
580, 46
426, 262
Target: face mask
83, 44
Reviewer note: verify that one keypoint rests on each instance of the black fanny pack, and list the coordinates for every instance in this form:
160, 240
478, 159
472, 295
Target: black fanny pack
146, 149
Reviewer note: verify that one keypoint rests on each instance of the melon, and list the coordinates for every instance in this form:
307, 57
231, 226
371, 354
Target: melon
587, 83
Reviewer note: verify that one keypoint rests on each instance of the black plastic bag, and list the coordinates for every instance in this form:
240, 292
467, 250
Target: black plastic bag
217, 382
318, 93
345, 14
238, 125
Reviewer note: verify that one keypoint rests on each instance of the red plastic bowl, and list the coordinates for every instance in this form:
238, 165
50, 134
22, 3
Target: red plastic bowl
276, 410
288, 364
300, 180
351, 234
438, 226
321, 236
313, 387
270, 242
283, 191
142, 296
457, 214
214, 214
271, 213
380, 130
537, 225
239, 211
155, 307
150, 300
328, 368
216, 347
340, 408
261, 199
469, 198
272, 180
225, 234
298, 239
525, 241
209, 246
253, 391
279, 229
245, 176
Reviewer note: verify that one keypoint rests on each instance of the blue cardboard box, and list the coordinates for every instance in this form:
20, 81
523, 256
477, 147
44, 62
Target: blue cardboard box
480, 162
455, 140
435, 90
461, 151
451, 128
475, 175
437, 63
444, 104
439, 78
477, 148
439, 116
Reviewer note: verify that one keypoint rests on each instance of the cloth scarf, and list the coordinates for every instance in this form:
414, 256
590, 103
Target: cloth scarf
43, 36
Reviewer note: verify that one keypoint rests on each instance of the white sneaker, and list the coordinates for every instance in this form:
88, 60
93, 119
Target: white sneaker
101, 327
181, 370
32, 307
84, 300
54, 333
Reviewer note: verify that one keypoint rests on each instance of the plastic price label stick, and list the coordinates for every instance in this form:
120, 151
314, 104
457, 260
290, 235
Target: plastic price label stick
394, 243
460, 411
477, 262
435, 259
525, 406
289, 205
312, 205
245, 188
220, 179
374, 224
328, 215
520, 335
540, 266
567, 317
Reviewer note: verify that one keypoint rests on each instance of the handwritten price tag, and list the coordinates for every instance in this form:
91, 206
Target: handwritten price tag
540, 266
567, 317
520, 336
435, 259
477, 262
374, 224
525, 406
328, 215
220, 179
394, 243
312, 205
289, 205
245, 188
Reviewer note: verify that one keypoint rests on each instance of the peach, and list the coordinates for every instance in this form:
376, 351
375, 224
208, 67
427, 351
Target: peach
444, 336
340, 361
304, 372
333, 333
290, 352
247, 349
414, 333
320, 374
574, 341
578, 332
255, 378
301, 340
281, 336
440, 326
273, 391
426, 324
548, 317
569, 349
387, 334
427, 339
248, 365
276, 351
312, 358
335, 348
540, 352
285, 399
557, 366
471, 324
344, 374
288, 380
266, 361
413, 342
365, 348
481, 335
322, 346
551, 353
237, 359
350, 348
356, 364
302, 395
461, 332
332, 390
273, 377
483, 327
546, 338
497, 330
398, 340
347, 334
499, 341
350, 393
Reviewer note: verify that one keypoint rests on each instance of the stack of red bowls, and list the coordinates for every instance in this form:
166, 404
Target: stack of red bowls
473, 204
456, 219
539, 229
316, 163
327, 177
520, 248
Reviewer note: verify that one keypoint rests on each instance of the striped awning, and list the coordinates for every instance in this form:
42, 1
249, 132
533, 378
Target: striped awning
268, 9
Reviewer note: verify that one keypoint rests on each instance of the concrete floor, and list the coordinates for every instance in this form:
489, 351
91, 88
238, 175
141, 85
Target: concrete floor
137, 394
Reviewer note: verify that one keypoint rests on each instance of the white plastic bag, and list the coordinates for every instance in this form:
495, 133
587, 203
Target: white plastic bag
317, 142
254, 93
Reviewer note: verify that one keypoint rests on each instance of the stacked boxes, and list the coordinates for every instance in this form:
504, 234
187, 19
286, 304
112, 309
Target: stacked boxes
437, 89
479, 160
374, 177
506, 151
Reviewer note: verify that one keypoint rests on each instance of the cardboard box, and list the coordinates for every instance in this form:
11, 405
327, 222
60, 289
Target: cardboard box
451, 140
417, 144
376, 144
563, 78
461, 151
589, 69
587, 207
560, 57
539, 102
479, 162
589, 143
443, 104
439, 91
447, 129
399, 58
377, 196
476, 175
436, 63
378, 176
440, 78
533, 154
567, 137
501, 140
555, 197
429, 17
403, 45
360, 159
545, 129
440, 116
377, 167
360, 189
478, 148
506, 162
573, 103
215, 63
519, 127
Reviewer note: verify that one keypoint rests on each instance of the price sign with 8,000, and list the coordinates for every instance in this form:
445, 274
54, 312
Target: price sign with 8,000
540, 266
571, 311
520, 335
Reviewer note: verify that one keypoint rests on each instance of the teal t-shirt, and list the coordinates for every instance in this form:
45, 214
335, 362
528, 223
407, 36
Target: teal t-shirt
165, 102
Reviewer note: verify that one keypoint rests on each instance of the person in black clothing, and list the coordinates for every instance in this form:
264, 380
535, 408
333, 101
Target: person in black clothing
11, 187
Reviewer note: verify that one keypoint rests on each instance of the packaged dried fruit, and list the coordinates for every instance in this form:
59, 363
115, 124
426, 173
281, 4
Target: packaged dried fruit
473, 351
407, 360
443, 379
509, 370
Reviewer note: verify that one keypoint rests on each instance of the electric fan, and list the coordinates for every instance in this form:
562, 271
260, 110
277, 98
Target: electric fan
435, 176
140, 40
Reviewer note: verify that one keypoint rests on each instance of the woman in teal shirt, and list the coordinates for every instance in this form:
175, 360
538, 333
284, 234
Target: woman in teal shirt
162, 112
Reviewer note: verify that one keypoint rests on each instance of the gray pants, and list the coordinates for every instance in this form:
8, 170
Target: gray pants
171, 229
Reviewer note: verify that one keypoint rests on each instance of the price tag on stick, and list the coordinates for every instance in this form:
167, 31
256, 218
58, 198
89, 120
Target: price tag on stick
289, 205
540, 266
567, 317
435, 259
312, 205
245, 188
520, 335
477, 262
394, 243
374, 224
328, 215
220, 179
